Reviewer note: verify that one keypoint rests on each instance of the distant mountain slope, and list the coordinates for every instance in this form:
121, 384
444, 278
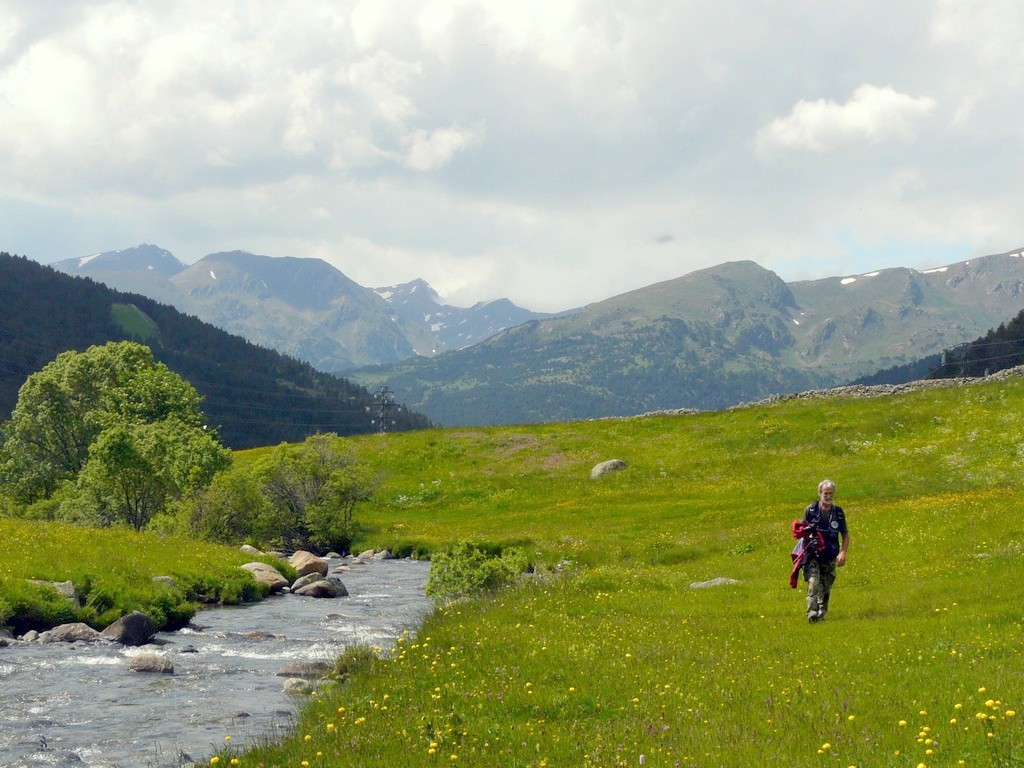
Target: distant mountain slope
302, 307
711, 339
255, 396
144, 269
445, 327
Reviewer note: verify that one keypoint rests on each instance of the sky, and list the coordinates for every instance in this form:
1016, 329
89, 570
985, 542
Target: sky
554, 152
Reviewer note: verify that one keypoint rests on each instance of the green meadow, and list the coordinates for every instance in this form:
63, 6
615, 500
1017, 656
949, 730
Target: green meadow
608, 656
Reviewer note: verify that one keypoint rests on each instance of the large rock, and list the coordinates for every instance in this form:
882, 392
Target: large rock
612, 465
267, 574
720, 581
296, 686
151, 662
306, 563
307, 670
329, 587
304, 581
375, 554
249, 549
71, 633
65, 588
134, 629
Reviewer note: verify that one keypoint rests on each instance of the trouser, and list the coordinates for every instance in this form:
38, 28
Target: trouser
820, 578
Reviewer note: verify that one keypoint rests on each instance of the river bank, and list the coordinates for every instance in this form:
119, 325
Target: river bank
79, 705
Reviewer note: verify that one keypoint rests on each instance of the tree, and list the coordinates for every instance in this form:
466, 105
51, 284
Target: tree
314, 487
135, 470
233, 509
117, 423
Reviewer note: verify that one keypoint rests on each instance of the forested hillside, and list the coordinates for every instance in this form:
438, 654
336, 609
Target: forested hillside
997, 350
254, 396
1000, 348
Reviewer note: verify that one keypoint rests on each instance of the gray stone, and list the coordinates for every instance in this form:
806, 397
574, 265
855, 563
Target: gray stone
303, 581
71, 633
151, 662
295, 686
306, 563
721, 581
267, 574
134, 629
612, 465
65, 588
329, 587
307, 670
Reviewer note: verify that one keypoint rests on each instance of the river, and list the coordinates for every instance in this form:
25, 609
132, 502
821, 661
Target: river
78, 705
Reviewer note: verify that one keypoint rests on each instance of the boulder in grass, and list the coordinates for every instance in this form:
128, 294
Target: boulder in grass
720, 581
307, 670
602, 469
306, 563
66, 589
296, 686
267, 574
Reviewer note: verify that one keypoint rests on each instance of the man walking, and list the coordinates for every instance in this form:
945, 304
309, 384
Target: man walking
824, 517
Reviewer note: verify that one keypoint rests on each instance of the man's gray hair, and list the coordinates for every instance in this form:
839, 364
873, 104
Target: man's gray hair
826, 484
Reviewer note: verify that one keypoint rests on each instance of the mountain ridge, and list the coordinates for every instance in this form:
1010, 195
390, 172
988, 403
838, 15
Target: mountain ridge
709, 340
303, 307
254, 396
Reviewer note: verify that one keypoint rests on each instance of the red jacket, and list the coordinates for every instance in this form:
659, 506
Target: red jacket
810, 541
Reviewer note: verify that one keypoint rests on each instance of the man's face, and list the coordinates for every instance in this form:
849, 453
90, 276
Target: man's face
827, 494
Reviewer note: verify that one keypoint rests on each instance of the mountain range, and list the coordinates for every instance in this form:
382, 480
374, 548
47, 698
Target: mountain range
707, 340
254, 396
304, 308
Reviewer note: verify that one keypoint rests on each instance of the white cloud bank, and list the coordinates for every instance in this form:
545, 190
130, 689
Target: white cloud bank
553, 152
873, 115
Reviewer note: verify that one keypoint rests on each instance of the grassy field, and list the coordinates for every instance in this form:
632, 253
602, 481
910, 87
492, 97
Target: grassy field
614, 659
112, 570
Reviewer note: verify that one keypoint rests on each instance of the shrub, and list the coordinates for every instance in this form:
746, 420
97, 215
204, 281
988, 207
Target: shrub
466, 570
353, 660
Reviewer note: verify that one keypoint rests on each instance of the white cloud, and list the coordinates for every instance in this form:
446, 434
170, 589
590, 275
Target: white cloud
872, 115
556, 152
430, 150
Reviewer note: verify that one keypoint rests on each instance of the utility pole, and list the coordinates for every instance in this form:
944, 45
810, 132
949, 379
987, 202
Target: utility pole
385, 405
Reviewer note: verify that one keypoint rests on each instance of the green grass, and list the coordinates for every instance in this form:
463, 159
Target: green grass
619, 662
112, 570
134, 321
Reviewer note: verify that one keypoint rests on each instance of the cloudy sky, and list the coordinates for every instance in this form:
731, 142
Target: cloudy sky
556, 152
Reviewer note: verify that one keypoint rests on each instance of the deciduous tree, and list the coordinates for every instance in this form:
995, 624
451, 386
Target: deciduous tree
123, 427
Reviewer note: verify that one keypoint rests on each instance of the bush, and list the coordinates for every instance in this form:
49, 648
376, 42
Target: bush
414, 550
353, 660
29, 606
466, 570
